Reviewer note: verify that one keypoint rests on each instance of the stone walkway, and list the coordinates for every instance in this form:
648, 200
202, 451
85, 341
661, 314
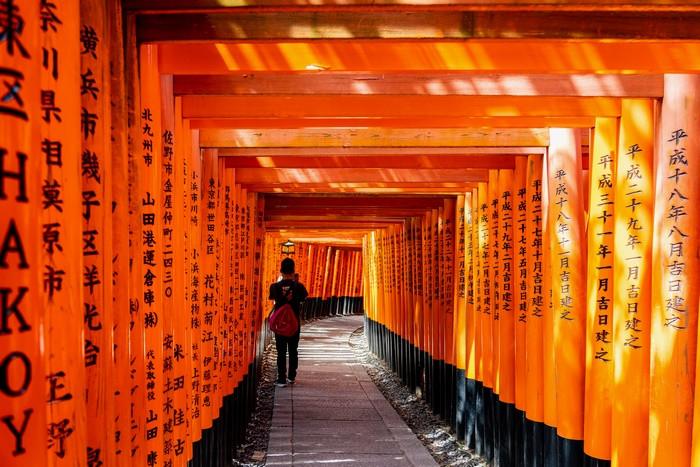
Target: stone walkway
334, 415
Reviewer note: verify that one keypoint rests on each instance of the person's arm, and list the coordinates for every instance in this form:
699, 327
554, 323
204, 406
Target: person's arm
303, 293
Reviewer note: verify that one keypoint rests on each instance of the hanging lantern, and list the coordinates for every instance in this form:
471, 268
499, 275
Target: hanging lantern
287, 248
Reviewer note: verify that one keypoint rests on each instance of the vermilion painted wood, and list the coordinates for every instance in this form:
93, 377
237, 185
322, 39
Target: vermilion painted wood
374, 137
403, 151
62, 302
599, 351
521, 269
248, 176
421, 83
264, 124
477, 55
671, 380
535, 291
23, 398
569, 316
151, 311
325, 106
164, 6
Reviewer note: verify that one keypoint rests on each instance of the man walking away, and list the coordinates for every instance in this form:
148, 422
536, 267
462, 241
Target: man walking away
287, 290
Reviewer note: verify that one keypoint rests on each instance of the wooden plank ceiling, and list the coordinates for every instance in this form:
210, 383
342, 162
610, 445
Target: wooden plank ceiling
358, 114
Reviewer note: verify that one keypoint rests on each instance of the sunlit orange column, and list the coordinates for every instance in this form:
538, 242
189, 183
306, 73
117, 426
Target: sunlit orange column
549, 389
119, 134
599, 310
470, 258
675, 276
183, 152
229, 279
418, 282
568, 280
96, 198
505, 285
448, 286
208, 208
482, 328
426, 284
148, 163
633, 217
537, 294
460, 305
22, 397
194, 260
173, 307
61, 242
519, 285
240, 313
495, 279
137, 390
538, 310
433, 281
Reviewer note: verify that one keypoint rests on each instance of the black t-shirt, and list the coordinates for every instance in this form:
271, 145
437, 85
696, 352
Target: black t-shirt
279, 291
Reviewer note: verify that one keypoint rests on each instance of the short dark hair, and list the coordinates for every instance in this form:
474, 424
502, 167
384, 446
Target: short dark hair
287, 266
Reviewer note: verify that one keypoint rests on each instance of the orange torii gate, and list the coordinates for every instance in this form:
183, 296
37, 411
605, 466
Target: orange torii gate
510, 203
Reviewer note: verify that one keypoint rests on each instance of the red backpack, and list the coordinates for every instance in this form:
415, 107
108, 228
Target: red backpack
283, 321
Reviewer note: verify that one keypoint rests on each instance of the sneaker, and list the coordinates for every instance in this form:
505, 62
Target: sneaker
290, 380
280, 385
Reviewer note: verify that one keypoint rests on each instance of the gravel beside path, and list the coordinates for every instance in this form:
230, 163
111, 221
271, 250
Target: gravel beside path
430, 430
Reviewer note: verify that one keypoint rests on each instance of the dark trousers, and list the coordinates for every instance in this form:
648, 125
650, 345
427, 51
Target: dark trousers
283, 343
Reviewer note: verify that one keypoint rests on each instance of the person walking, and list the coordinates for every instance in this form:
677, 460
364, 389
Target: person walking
288, 290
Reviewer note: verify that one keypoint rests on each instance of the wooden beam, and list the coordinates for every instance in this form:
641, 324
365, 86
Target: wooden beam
345, 225
378, 106
385, 188
376, 24
388, 162
317, 152
477, 56
246, 25
404, 122
283, 203
394, 216
421, 83
330, 239
345, 214
298, 234
222, 6
374, 137
300, 176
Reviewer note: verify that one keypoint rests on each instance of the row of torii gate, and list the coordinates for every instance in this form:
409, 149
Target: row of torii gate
507, 186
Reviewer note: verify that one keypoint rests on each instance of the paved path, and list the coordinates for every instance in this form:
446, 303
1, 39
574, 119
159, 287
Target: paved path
334, 415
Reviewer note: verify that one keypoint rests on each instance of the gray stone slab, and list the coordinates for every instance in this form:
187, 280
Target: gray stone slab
333, 403
357, 444
341, 427
350, 460
279, 459
335, 413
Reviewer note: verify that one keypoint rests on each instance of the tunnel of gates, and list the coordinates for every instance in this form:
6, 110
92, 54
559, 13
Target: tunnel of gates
134, 267
508, 306
541, 292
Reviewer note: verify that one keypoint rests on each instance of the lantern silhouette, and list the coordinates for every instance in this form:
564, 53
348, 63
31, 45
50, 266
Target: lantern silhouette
287, 248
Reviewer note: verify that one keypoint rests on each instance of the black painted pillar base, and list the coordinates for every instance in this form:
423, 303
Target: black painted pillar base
534, 442
551, 446
460, 408
570, 452
479, 441
520, 437
470, 414
589, 461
